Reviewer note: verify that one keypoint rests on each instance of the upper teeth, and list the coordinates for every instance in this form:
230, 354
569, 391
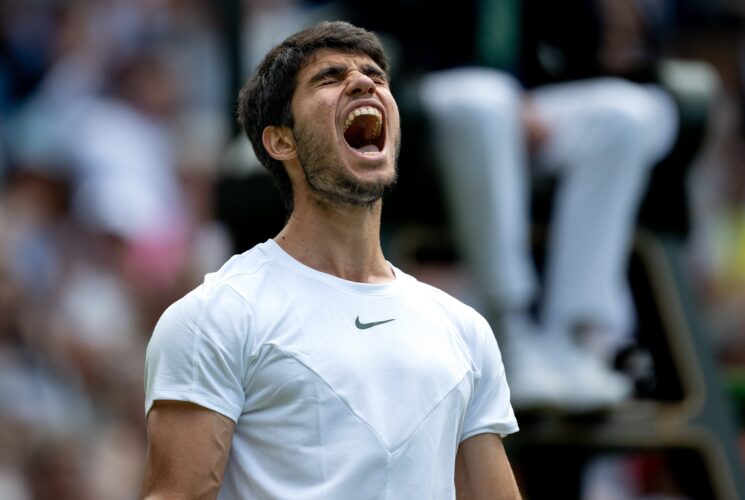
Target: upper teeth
366, 110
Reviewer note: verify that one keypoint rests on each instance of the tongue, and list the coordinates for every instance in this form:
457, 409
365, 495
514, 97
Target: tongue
369, 148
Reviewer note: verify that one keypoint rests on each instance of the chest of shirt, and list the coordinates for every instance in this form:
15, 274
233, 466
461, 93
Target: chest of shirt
390, 360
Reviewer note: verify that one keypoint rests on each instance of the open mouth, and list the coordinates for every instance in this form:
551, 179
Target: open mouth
363, 130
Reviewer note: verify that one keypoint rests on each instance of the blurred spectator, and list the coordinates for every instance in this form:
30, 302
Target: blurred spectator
113, 123
601, 136
715, 31
42, 396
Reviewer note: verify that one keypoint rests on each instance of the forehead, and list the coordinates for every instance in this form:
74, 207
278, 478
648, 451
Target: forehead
330, 57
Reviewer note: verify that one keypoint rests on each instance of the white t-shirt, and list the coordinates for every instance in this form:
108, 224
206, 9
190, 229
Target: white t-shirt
339, 390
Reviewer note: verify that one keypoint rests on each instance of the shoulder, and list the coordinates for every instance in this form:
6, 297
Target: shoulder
224, 298
470, 324
240, 271
244, 282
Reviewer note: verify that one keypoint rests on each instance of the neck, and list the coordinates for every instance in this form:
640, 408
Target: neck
343, 241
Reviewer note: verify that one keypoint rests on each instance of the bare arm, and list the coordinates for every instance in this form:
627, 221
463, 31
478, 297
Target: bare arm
188, 447
482, 471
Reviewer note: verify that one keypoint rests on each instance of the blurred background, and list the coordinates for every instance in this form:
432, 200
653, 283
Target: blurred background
124, 179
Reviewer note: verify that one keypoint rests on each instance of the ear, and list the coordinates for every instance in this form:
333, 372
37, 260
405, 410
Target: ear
279, 142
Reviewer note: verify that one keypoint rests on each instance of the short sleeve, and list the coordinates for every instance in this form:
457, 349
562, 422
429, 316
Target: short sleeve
196, 353
490, 410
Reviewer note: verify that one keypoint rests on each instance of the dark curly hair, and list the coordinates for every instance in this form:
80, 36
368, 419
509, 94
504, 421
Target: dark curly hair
266, 98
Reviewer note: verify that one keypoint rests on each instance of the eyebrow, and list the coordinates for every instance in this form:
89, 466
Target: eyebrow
329, 71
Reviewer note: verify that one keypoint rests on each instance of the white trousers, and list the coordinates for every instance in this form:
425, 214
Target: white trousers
604, 136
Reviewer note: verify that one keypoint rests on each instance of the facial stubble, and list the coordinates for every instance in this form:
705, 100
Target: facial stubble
329, 182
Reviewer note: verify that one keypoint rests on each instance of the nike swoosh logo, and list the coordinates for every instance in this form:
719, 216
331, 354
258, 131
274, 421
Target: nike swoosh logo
364, 326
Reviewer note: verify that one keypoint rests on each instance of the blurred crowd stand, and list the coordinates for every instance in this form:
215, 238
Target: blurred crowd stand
113, 122
123, 181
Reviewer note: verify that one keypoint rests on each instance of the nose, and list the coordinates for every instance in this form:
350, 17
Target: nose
360, 83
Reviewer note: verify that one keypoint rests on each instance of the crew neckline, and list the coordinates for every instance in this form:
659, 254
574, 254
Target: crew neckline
275, 250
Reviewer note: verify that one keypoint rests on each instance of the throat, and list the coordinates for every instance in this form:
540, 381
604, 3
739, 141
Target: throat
351, 257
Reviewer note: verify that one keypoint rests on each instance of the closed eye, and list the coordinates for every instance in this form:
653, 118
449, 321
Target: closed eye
329, 81
376, 75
